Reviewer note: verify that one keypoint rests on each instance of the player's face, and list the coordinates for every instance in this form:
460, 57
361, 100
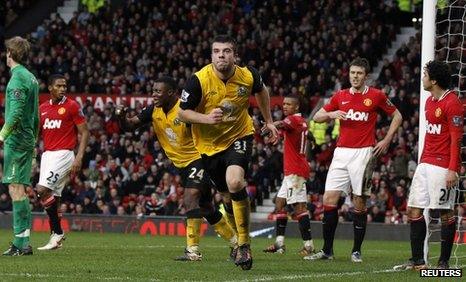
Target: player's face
58, 89
290, 106
223, 56
357, 76
426, 82
160, 94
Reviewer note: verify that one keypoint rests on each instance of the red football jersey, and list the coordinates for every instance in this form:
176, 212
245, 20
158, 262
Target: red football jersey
444, 131
358, 130
294, 155
58, 124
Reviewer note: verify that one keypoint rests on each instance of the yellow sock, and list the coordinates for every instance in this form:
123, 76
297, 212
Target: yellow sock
193, 231
225, 231
230, 218
242, 211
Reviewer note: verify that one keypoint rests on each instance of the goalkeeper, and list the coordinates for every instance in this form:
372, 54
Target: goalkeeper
19, 135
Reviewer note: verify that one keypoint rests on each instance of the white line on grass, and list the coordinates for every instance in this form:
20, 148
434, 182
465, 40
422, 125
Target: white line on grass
45, 276
320, 275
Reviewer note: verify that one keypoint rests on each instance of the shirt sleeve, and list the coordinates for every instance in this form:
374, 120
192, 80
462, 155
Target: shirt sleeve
332, 105
145, 116
17, 103
289, 124
77, 114
257, 84
455, 116
191, 94
386, 105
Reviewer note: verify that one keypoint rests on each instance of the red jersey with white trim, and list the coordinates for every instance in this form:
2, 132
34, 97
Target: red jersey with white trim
294, 152
58, 124
358, 130
444, 131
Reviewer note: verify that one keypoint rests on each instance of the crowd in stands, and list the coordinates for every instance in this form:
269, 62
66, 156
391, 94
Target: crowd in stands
300, 47
14, 8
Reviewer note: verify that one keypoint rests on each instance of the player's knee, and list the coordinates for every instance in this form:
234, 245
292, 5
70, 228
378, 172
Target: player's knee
235, 184
331, 197
17, 192
300, 208
42, 191
446, 216
191, 198
413, 212
359, 202
280, 204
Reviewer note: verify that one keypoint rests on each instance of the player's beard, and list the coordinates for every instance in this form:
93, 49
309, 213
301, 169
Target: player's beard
224, 67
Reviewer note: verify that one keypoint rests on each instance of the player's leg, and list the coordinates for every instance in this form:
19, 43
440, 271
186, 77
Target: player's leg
360, 170
443, 199
230, 217
359, 226
17, 173
330, 220
305, 228
236, 159
338, 182
54, 175
51, 206
193, 224
218, 221
281, 220
297, 196
418, 200
448, 230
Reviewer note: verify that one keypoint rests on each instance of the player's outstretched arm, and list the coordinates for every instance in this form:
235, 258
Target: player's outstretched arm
263, 101
129, 123
382, 145
323, 116
78, 161
191, 116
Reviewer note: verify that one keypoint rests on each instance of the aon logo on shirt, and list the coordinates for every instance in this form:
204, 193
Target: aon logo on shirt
357, 116
433, 128
51, 123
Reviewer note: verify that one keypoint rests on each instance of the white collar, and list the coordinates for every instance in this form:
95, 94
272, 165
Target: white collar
366, 89
59, 103
443, 95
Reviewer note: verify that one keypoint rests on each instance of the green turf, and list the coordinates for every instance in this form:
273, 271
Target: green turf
92, 256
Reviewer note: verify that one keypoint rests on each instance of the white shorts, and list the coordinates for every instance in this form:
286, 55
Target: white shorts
293, 189
428, 188
347, 170
55, 169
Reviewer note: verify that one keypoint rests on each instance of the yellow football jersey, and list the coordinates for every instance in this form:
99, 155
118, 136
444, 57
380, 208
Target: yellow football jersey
174, 136
232, 96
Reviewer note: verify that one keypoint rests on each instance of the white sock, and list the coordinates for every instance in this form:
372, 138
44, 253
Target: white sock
280, 241
193, 249
309, 244
233, 240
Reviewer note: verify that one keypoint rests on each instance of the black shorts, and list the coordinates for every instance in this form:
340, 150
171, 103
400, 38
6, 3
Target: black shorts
195, 176
239, 153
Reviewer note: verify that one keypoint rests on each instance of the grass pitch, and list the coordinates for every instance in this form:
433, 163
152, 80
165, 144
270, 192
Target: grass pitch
118, 257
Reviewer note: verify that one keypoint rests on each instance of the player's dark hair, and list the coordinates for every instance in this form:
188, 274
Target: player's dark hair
51, 80
169, 81
295, 97
440, 72
361, 62
224, 38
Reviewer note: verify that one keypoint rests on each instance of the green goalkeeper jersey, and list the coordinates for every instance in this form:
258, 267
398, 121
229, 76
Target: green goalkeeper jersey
21, 110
